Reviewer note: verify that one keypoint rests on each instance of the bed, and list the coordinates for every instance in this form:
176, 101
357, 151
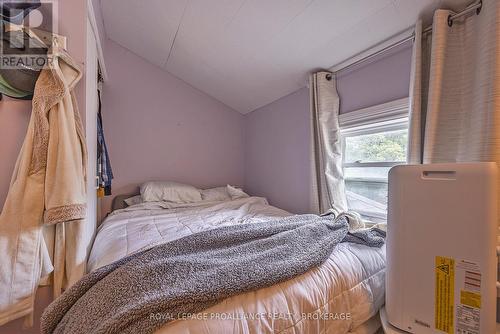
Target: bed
341, 296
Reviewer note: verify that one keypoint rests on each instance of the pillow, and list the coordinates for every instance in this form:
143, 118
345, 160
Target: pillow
236, 193
137, 199
215, 194
157, 191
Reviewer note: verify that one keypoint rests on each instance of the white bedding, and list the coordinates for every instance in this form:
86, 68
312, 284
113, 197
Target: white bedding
342, 295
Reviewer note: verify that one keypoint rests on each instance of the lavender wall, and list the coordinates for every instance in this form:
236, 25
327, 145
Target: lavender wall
159, 127
277, 152
277, 136
14, 117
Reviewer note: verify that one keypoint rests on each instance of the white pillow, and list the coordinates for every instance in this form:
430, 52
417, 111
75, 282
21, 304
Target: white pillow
157, 191
215, 194
236, 193
137, 199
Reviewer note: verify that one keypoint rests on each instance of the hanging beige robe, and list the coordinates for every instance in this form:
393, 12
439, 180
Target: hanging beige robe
48, 188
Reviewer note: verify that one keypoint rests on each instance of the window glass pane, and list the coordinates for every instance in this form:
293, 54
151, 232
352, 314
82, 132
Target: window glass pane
372, 191
374, 173
369, 182
377, 147
366, 189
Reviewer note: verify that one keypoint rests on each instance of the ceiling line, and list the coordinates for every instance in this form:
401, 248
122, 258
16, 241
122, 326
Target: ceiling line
176, 32
235, 14
295, 16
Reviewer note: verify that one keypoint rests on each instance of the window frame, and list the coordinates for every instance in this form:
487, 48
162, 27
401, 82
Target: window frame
391, 116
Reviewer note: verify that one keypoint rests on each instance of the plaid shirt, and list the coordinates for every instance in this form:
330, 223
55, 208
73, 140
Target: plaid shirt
104, 171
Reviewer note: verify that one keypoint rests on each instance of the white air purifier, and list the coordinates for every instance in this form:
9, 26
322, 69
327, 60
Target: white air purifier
441, 249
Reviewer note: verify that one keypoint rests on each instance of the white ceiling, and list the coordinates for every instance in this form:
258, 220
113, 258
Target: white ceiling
248, 53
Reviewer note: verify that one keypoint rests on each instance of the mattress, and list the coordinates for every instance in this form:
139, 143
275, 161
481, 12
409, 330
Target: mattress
342, 295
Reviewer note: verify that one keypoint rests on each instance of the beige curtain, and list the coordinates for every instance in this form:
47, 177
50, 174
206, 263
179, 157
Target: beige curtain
455, 89
328, 190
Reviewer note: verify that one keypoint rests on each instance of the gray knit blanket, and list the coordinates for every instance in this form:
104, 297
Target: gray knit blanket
190, 274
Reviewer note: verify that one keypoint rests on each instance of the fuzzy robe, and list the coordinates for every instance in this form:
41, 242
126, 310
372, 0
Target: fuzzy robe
47, 194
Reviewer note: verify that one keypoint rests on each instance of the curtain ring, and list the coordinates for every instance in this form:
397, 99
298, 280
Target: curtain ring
450, 21
328, 76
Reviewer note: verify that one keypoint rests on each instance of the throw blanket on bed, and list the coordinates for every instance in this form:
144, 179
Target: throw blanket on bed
140, 293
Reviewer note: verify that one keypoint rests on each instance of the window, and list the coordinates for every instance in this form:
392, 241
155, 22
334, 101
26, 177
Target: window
372, 142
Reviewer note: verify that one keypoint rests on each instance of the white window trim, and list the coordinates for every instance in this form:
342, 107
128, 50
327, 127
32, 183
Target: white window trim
390, 116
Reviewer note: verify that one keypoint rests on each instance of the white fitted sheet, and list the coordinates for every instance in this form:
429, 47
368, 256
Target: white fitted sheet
350, 282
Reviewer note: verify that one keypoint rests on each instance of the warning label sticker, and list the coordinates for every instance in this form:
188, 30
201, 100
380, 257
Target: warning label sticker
467, 320
470, 299
444, 294
469, 309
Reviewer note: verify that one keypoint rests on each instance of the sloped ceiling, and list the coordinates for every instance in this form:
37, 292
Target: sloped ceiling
248, 53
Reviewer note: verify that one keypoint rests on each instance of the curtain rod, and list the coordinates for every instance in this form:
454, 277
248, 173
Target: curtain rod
476, 6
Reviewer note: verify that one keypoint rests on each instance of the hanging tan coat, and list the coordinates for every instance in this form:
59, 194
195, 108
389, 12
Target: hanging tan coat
48, 188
